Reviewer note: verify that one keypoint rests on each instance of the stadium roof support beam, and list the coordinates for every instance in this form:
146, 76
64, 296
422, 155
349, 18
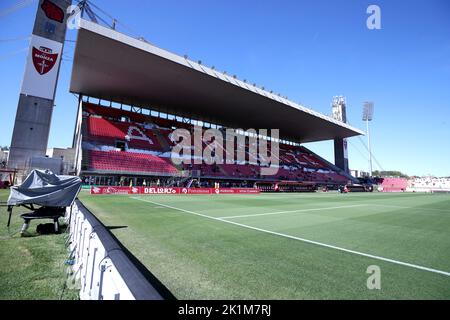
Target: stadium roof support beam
112, 66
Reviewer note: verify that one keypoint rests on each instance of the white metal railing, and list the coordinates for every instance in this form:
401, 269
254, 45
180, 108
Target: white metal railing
100, 266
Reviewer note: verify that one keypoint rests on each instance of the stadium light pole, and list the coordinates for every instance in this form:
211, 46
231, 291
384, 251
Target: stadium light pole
367, 117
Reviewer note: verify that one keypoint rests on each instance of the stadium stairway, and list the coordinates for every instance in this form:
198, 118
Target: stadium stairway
162, 140
84, 153
223, 171
334, 167
84, 159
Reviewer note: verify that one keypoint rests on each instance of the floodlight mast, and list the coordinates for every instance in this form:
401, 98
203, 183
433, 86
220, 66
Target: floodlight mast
368, 116
339, 109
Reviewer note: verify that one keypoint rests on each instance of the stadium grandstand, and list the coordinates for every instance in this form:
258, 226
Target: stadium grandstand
119, 143
126, 120
393, 185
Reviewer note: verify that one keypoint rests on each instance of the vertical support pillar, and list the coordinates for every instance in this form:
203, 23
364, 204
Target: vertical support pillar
341, 154
36, 100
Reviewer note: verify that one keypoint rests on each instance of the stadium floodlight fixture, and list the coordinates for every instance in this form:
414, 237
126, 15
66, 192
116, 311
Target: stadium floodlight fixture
186, 56
368, 111
199, 61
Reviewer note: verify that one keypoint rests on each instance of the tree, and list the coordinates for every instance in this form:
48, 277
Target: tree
390, 173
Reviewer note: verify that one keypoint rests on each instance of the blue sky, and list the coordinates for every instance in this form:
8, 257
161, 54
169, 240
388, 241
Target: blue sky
309, 51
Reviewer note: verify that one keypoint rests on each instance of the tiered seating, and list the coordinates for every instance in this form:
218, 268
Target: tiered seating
108, 132
238, 171
205, 170
394, 184
129, 162
336, 177
291, 175
113, 113
287, 157
166, 134
146, 137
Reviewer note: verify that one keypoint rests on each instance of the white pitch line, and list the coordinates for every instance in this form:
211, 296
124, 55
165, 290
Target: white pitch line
291, 211
403, 207
406, 264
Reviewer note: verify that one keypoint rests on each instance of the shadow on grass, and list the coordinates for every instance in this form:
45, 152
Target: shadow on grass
116, 227
48, 230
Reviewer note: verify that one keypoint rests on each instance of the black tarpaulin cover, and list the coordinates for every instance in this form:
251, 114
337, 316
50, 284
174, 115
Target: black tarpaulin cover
44, 188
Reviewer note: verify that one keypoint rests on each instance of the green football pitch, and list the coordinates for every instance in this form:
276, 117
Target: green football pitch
31, 267
287, 246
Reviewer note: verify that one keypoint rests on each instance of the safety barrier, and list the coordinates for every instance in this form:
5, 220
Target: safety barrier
100, 264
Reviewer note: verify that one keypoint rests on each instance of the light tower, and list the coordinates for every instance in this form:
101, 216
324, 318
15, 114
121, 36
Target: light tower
339, 109
367, 117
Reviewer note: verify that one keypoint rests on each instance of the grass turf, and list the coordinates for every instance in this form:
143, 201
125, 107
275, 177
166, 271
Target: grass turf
30, 267
200, 258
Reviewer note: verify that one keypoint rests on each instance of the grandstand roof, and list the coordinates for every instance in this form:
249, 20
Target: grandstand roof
112, 66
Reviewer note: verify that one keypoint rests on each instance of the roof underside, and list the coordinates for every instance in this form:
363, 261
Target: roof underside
115, 67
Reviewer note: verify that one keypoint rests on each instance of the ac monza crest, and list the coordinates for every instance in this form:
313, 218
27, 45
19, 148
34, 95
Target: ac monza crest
44, 59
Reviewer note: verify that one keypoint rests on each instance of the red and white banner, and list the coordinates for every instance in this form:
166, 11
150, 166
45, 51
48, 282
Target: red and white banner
197, 190
115, 190
158, 190
42, 67
236, 191
161, 190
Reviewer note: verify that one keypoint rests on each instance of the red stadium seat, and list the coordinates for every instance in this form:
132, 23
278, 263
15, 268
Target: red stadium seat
117, 161
394, 184
143, 134
108, 131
